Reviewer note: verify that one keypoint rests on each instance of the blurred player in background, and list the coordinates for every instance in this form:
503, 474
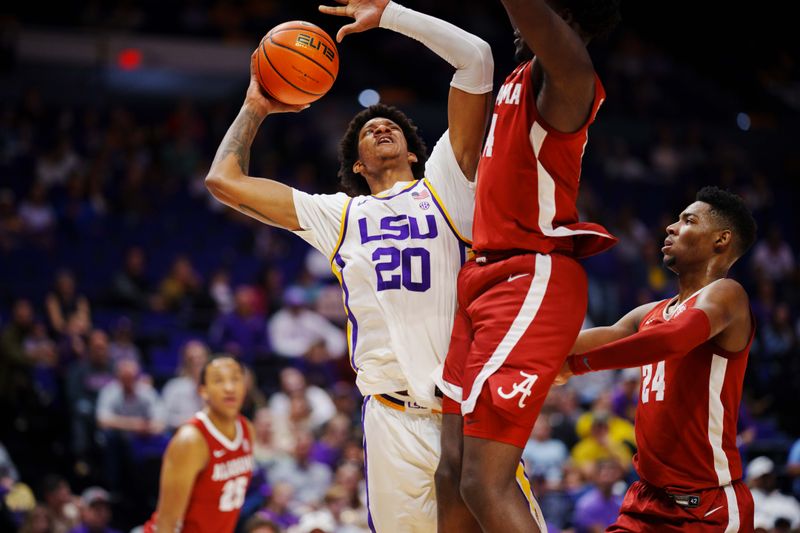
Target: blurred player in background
209, 462
396, 242
693, 351
522, 301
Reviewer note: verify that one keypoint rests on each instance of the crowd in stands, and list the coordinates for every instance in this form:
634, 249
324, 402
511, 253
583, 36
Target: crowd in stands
119, 276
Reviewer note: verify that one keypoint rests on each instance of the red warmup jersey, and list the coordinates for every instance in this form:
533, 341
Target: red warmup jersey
686, 419
219, 490
528, 178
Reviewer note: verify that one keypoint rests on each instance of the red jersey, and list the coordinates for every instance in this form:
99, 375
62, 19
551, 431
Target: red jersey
528, 178
686, 419
219, 490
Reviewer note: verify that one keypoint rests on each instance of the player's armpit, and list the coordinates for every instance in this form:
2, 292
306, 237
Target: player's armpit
186, 456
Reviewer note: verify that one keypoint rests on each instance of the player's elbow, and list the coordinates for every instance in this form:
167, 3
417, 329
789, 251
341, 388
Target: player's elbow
476, 74
219, 186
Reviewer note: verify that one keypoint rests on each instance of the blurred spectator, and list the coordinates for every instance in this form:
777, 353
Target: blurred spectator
57, 164
95, 512
793, 467
131, 415
61, 503
770, 504
773, 257
309, 478
8, 471
14, 361
122, 346
277, 506
600, 445
777, 336
64, 302
254, 399
620, 429
11, 224
335, 433
85, 379
181, 286
131, 288
39, 520
180, 396
293, 384
259, 524
37, 215
543, 455
241, 332
265, 452
626, 394
295, 329
599, 507
221, 292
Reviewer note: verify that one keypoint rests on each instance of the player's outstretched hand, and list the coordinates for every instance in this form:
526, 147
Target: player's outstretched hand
367, 15
563, 375
260, 101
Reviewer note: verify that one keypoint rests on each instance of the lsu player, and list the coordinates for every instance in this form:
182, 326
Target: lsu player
396, 242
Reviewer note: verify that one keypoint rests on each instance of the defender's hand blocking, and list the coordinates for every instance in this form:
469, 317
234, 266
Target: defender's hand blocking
261, 102
367, 15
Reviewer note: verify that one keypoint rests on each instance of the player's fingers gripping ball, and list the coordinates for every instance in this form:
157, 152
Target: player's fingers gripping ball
297, 62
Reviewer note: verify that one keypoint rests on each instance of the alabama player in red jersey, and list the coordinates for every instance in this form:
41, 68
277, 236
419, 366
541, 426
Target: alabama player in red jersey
523, 299
209, 462
693, 352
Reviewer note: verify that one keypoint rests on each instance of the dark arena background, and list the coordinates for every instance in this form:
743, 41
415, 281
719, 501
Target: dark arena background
111, 248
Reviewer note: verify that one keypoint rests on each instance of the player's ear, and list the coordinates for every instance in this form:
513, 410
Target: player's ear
358, 167
412, 158
724, 240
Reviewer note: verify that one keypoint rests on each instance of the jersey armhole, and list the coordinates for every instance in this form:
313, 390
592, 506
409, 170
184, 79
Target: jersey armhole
342, 230
597, 102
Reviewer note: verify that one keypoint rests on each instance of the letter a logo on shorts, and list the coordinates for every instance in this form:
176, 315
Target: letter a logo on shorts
523, 389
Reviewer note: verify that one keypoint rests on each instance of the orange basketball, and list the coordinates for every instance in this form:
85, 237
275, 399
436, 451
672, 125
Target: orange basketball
297, 62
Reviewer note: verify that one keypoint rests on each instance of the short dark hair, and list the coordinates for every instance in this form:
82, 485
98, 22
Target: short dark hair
217, 357
731, 210
355, 184
596, 18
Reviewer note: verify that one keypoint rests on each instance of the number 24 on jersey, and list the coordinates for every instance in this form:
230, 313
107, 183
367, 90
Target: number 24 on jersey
653, 382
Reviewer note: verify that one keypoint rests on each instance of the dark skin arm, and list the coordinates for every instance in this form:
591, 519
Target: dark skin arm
265, 200
725, 304
567, 85
186, 455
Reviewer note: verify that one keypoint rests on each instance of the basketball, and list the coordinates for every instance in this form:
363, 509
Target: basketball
297, 62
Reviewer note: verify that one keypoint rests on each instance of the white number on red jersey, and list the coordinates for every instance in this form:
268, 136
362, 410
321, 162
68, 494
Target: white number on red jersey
657, 384
233, 494
487, 149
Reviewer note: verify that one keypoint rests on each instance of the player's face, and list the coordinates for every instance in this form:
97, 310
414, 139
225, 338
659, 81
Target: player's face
224, 387
522, 51
381, 139
690, 240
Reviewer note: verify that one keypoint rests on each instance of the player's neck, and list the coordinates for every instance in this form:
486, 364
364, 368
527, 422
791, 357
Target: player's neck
225, 425
692, 281
387, 177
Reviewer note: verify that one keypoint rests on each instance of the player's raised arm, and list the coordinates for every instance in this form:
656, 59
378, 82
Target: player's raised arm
186, 455
469, 100
265, 200
567, 91
717, 309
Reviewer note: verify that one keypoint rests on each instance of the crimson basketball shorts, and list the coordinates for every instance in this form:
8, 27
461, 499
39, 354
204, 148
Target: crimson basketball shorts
648, 509
517, 321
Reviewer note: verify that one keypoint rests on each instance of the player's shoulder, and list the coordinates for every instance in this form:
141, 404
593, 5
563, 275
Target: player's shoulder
188, 439
726, 290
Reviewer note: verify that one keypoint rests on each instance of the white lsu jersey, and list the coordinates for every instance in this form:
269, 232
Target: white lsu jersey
397, 257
